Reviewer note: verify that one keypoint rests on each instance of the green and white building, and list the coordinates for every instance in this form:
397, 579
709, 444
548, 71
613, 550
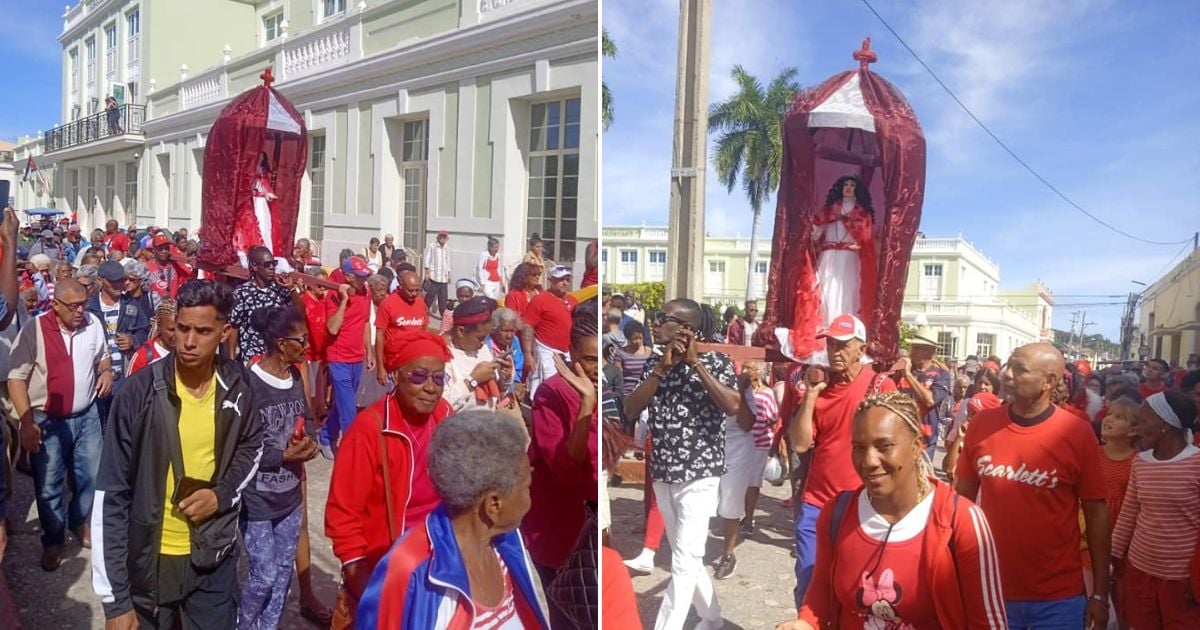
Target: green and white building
479, 117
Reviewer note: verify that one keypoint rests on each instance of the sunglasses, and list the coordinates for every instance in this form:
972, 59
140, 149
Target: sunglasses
418, 377
300, 340
663, 318
265, 263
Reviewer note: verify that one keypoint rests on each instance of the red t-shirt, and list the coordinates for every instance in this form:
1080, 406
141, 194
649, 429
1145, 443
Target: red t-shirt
394, 315
118, 241
1031, 480
1145, 390
517, 300
831, 470
347, 345
338, 276
318, 333
867, 580
550, 318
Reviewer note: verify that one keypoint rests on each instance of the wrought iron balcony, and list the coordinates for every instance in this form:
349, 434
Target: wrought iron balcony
103, 124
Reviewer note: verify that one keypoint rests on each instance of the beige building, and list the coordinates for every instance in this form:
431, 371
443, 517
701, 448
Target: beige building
479, 117
1170, 313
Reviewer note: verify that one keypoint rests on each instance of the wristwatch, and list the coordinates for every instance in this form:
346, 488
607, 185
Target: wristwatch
472, 383
1098, 598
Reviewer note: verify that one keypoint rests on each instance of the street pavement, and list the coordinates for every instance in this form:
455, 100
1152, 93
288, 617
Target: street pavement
64, 599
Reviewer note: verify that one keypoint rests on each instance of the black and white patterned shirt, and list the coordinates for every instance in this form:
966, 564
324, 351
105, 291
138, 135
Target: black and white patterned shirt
247, 299
687, 426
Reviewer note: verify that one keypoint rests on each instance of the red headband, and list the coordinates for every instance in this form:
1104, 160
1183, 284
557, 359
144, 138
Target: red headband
405, 347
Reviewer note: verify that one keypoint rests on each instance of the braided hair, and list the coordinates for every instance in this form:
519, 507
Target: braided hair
904, 408
166, 308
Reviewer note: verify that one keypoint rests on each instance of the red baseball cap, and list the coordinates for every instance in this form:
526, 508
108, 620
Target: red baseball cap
443, 233
845, 327
160, 240
356, 266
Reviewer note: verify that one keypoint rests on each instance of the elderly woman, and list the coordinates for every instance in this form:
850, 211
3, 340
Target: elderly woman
1154, 542
464, 566
380, 486
136, 278
903, 551
506, 337
464, 290
475, 377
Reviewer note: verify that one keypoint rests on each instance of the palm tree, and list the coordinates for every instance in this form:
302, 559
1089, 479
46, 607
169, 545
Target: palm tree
750, 144
608, 49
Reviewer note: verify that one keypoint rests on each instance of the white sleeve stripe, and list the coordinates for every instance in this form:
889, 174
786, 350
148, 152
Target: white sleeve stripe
237, 495
989, 570
100, 583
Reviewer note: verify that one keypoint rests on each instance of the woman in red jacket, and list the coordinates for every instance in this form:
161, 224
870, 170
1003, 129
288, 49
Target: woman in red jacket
380, 485
904, 551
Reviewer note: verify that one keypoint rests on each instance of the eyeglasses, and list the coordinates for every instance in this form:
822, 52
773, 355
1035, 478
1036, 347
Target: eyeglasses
76, 306
300, 340
418, 377
663, 318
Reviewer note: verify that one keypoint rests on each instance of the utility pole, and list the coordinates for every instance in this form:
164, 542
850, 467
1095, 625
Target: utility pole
685, 231
1071, 337
1084, 323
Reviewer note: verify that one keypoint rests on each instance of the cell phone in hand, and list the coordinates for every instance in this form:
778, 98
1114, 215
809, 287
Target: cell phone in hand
298, 428
188, 486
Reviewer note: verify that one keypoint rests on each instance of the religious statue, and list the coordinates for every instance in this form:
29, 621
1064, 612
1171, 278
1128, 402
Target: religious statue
846, 256
264, 196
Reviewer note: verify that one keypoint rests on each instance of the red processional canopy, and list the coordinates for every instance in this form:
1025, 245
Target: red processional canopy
258, 122
855, 123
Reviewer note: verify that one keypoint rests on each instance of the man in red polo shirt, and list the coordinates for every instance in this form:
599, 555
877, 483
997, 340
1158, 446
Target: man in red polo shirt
1155, 375
549, 314
347, 313
402, 310
822, 424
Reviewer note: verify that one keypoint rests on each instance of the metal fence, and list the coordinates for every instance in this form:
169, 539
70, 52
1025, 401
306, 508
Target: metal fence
106, 123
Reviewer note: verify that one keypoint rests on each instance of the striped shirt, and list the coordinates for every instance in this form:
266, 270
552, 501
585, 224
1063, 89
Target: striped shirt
503, 616
766, 412
1160, 518
632, 365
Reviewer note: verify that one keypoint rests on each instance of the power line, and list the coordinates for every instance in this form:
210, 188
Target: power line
1005, 146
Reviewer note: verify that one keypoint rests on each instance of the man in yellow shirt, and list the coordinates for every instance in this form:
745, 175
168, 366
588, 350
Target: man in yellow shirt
182, 444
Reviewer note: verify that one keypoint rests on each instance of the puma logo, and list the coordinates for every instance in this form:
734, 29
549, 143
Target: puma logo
232, 405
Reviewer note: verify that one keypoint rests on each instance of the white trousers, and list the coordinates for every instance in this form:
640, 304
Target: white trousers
686, 508
492, 290
545, 367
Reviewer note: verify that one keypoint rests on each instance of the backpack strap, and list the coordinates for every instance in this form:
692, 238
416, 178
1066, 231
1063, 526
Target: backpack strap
170, 420
839, 513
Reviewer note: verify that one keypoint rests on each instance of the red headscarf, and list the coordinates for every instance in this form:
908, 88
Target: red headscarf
407, 346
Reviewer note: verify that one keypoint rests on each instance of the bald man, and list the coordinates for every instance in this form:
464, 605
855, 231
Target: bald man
59, 365
1030, 465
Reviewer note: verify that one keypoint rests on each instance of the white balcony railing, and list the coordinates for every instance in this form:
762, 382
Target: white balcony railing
75, 14
492, 5
202, 90
308, 55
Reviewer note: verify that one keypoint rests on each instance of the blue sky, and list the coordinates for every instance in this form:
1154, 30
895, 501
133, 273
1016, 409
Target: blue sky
1100, 96
32, 66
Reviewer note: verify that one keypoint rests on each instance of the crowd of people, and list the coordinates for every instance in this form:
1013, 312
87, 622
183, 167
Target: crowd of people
167, 415
1068, 497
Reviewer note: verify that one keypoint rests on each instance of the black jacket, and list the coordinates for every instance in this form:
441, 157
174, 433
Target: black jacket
127, 512
133, 318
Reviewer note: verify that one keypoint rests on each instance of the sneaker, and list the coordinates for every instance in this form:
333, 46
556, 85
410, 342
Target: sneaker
747, 528
642, 565
725, 566
51, 558
327, 452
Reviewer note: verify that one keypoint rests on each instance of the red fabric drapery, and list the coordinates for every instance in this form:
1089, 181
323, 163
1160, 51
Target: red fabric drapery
258, 121
891, 162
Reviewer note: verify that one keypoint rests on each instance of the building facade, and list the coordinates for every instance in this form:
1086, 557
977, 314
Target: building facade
951, 286
639, 254
479, 117
954, 288
1170, 313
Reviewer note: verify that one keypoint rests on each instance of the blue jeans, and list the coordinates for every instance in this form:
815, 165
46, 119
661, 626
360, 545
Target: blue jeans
1055, 614
806, 549
70, 449
344, 378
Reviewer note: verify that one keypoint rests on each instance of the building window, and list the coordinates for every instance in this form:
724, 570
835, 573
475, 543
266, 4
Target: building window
272, 26
658, 265
110, 53
133, 30
316, 177
414, 170
554, 176
714, 281
627, 271
90, 46
985, 345
74, 64
89, 202
760, 266
604, 257
931, 282
947, 346
131, 189
73, 178
110, 190
331, 8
